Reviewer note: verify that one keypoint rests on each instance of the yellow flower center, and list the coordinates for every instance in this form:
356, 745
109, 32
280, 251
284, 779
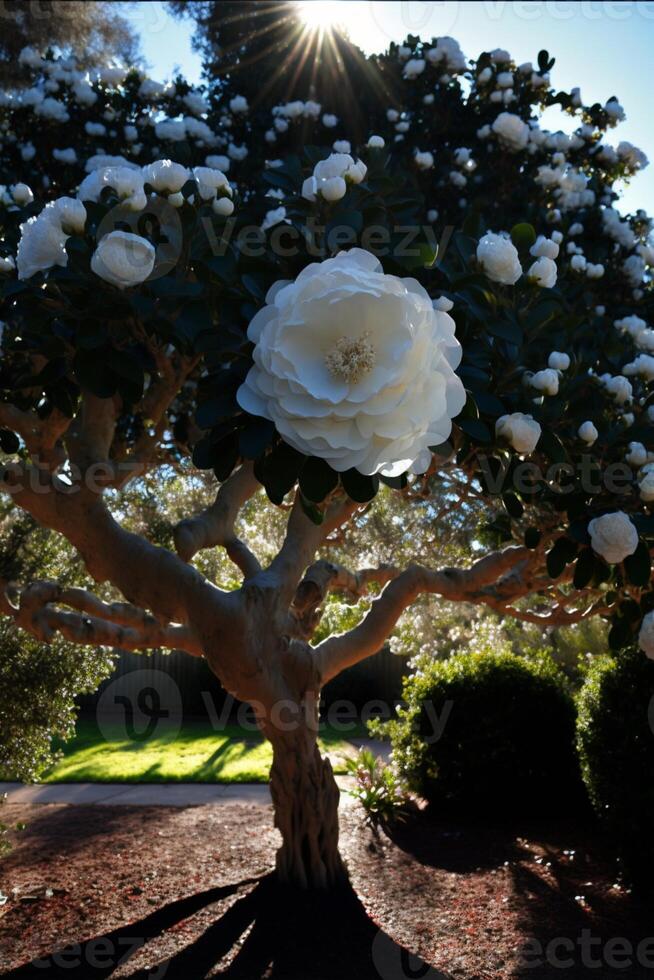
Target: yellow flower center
350, 360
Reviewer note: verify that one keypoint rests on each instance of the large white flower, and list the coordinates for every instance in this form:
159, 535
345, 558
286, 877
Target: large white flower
41, 246
613, 536
43, 238
123, 259
354, 366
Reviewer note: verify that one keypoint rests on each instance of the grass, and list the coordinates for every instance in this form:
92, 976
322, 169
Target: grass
196, 754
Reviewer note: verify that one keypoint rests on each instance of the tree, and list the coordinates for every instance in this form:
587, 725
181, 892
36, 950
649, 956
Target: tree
92, 31
299, 329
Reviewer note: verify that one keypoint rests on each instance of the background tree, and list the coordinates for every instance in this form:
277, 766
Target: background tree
91, 31
142, 337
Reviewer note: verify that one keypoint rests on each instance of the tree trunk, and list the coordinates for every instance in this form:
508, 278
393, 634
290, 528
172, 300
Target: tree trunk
305, 797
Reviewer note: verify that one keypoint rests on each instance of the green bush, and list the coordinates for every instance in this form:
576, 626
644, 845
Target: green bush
615, 739
488, 735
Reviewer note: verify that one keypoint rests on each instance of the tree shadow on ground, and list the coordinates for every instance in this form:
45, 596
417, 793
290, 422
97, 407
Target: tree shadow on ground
452, 845
576, 922
276, 932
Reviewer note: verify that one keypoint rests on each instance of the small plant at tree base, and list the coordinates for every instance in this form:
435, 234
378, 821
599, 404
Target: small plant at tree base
379, 789
5, 844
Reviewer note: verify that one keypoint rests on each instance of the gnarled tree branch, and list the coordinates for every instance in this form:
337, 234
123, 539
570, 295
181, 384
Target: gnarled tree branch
463, 585
37, 609
215, 525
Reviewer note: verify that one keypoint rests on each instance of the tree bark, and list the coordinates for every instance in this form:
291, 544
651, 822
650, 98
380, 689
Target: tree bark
305, 798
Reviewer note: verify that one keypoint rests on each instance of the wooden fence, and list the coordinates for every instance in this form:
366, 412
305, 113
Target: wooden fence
377, 679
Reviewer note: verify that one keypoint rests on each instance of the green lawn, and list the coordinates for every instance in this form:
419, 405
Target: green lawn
197, 754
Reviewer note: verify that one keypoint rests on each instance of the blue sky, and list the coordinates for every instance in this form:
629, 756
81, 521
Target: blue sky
604, 47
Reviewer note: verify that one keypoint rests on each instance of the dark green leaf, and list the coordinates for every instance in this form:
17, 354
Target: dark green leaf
584, 569
359, 487
639, 566
563, 552
9, 442
255, 438
317, 479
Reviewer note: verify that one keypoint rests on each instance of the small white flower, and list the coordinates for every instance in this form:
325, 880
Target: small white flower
613, 536
7, 264
329, 120
646, 635
333, 188
125, 181
414, 67
210, 181
273, 217
558, 360
511, 131
218, 162
578, 263
588, 433
341, 146
620, 388
424, 160
637, 455
646, 485
546, 247
222, 206
520, 430
642, 366
543, 272
95, 129
123, 259
22, 194
68, 155
375, 143
238, 104
499, 259
546, 381
164, 175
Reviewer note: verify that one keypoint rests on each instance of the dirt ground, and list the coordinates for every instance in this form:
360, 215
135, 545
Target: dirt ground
154, 892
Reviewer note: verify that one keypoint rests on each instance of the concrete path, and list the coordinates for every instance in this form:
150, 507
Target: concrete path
160, 794
146, 794
136, 794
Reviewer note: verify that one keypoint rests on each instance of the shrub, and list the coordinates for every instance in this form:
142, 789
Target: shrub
488, 735
615, 740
